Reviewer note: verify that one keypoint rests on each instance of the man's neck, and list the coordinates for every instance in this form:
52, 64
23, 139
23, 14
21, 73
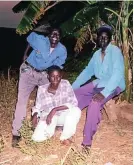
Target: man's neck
53, 46
52, 88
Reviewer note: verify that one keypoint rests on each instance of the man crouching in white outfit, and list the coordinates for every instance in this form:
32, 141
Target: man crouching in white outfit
56, 105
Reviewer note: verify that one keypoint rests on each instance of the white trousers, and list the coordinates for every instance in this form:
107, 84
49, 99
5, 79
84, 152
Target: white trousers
68, 119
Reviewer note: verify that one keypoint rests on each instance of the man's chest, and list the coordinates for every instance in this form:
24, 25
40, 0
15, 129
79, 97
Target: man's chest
103, 64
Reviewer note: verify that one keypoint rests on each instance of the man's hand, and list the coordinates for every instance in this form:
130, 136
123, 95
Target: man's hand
50, 116
38, 52
35, 120
26, 52
98, 97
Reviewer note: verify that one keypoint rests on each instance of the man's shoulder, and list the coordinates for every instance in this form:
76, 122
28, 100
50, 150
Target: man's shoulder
65, 82
116, 51
96, 53
114, 47
62, 46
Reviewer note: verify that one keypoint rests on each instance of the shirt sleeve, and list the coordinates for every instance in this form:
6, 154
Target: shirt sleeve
118, 73
85, 75
60, 60
36, 42
32, 40
38, 104
71, 100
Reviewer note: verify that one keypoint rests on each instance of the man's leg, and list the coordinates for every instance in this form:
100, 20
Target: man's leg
26, 86
84, 95
94, 117
43, 131
71, 119
43, 78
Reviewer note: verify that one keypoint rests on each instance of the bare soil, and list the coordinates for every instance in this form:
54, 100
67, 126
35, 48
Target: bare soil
112, 143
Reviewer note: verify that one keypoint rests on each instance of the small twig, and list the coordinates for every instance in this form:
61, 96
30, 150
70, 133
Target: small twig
9, 74
63, 160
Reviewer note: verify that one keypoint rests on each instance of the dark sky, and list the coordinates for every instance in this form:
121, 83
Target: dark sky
7, 17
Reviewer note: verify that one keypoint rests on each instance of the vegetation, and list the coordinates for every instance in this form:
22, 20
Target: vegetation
83, 24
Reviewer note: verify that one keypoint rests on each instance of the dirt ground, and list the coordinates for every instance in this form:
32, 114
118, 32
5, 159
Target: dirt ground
112, 143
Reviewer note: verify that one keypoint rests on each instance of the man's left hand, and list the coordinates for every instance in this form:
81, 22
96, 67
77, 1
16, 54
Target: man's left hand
50, 116
98, 97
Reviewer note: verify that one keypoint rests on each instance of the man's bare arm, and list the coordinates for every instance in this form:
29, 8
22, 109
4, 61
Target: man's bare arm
26, 52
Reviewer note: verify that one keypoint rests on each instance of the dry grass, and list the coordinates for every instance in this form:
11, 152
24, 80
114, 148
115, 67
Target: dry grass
112, 142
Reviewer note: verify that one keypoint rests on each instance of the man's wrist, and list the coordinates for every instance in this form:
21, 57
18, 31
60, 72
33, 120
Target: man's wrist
53, 111
35, 114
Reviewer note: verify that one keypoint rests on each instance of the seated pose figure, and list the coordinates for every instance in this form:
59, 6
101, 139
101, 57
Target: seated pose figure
107, 65
56, 105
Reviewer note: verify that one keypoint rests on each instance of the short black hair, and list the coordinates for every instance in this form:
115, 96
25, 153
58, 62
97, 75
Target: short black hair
107, 29
53, 68
55, 29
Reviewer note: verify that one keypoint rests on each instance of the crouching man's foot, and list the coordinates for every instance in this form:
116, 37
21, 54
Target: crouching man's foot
15, 141
86, 149
66, 142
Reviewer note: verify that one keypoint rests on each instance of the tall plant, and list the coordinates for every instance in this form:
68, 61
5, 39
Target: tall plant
123, 37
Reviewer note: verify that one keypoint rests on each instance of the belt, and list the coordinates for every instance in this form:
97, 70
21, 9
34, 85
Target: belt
34, 67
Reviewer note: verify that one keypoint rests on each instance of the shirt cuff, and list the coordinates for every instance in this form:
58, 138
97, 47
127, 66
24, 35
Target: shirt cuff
105, 93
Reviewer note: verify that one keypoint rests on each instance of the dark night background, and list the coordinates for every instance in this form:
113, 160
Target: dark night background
12, 48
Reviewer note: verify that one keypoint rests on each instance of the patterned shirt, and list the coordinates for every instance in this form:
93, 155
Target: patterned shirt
46, 101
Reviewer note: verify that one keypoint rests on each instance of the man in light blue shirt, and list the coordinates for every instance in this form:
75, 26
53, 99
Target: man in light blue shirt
107, 65
46, 52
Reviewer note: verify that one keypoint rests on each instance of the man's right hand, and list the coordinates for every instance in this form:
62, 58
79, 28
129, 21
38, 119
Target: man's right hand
34, 120
26, 52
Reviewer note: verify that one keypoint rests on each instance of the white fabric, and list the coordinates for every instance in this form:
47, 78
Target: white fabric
68, 119
51, 49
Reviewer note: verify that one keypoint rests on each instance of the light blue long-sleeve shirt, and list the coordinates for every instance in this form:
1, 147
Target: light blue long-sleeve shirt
41, 58
109, 73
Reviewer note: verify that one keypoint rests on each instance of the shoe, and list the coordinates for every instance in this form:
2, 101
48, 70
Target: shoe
15, 141
86, 149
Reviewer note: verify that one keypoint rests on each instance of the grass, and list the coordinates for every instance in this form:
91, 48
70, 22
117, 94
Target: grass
51, 152
8, 98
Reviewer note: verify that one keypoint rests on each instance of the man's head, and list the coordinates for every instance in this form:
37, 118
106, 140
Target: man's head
104, 34
54, 75
54, 37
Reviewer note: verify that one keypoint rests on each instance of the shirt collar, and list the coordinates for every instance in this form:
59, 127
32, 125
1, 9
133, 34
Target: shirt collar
107, 48
58, 89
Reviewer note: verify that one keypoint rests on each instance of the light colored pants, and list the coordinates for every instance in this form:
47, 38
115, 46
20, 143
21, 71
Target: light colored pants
28, 80
68, 119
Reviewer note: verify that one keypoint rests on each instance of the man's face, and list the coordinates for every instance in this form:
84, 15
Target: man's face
55, 78
54, 38
103, 40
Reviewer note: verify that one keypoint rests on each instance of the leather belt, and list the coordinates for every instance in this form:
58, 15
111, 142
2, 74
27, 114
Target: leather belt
34, 67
